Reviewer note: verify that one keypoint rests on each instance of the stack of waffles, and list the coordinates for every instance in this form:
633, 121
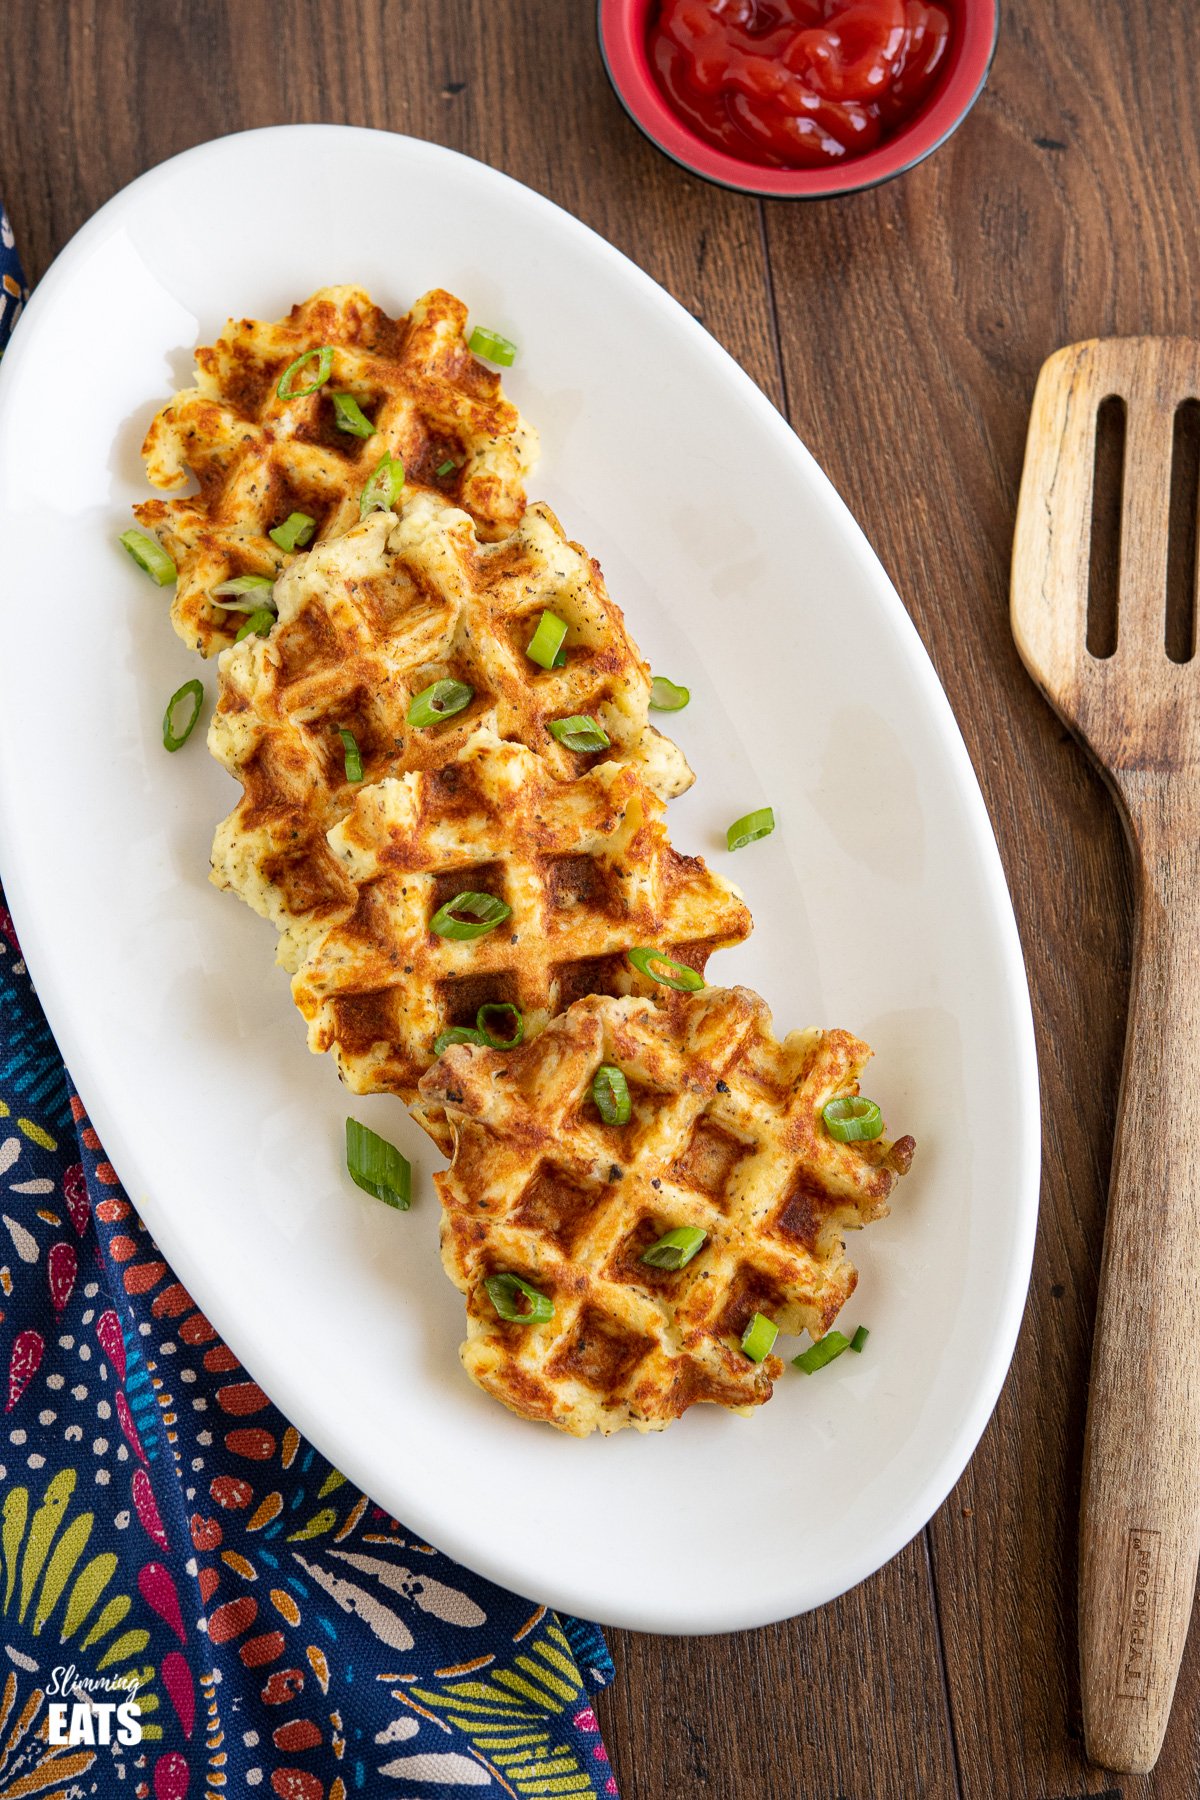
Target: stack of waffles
529, 809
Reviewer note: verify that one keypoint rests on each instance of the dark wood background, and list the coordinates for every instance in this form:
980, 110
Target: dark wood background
901, 332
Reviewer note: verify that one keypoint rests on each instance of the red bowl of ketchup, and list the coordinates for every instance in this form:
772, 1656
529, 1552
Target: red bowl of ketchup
798, 99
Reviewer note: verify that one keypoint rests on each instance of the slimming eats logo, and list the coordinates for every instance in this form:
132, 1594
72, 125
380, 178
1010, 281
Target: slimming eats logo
80, 1719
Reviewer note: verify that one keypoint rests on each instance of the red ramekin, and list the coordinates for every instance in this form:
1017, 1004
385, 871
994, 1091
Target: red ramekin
621, 26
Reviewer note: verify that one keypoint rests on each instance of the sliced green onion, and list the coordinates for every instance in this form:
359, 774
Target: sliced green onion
859, 1340
547, 641
446, 467
287, 389
497, 349
439, 701
677, 975
483, 912
149, 554
377, 1166
506, 1292
191, 690
383, 489
610, 1091
580, 732
354, 767
677, 1248
457, 1034
294, 533
349, 416
825, 1350
245, 593
750, 827
759, 1336
665, 696
852, 1119
257, 625
516, 1027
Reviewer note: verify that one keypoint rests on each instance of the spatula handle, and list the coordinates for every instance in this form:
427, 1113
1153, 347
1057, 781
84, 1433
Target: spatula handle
1140, 1526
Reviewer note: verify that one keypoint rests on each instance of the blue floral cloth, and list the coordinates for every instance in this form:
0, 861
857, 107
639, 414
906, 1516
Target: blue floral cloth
165, 1532
12, 281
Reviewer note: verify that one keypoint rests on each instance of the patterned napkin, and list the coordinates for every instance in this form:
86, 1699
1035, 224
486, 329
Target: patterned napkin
163, 1529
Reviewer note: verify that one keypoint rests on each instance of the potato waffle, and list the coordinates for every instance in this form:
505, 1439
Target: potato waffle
585, 866
725, 1134
259, 458
373, 618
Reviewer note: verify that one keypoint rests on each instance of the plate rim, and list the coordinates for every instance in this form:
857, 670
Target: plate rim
483, 1554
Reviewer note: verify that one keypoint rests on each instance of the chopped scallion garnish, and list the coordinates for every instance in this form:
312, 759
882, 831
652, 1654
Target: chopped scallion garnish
497, 349
377, 1166
665, 696
149, 554
547, 641
675, 1248
383, 489
610, 1091
852, 1119
825, 1350
580, 732
759, 1337
245, 593
750, 827
665, 970
500, 1010
859, 1340
257, 625
469, 915
349, 416
287, 389
441, 700
457, 1034
354, 765
446, 468
192, 691
294, 533
517, 1302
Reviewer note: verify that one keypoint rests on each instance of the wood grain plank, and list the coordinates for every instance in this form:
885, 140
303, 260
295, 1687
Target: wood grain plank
1063, 209
843, 1704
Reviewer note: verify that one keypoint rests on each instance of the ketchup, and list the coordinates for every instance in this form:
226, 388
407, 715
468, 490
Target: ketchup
798, 83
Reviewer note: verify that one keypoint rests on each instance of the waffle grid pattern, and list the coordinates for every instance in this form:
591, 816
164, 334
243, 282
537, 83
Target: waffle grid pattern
258, 458
369, 621
586, 867
726, 1135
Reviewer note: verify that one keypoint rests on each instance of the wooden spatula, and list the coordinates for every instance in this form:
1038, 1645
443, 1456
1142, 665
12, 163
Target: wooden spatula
1139, 713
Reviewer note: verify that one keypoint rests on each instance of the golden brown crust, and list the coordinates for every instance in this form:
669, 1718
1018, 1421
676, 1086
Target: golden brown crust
258, 458
370, 620
725, 1134
586, 867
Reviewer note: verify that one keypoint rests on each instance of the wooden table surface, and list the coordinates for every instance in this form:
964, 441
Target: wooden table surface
901, 332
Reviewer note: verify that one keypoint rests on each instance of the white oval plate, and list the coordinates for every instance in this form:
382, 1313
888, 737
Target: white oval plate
880, 901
